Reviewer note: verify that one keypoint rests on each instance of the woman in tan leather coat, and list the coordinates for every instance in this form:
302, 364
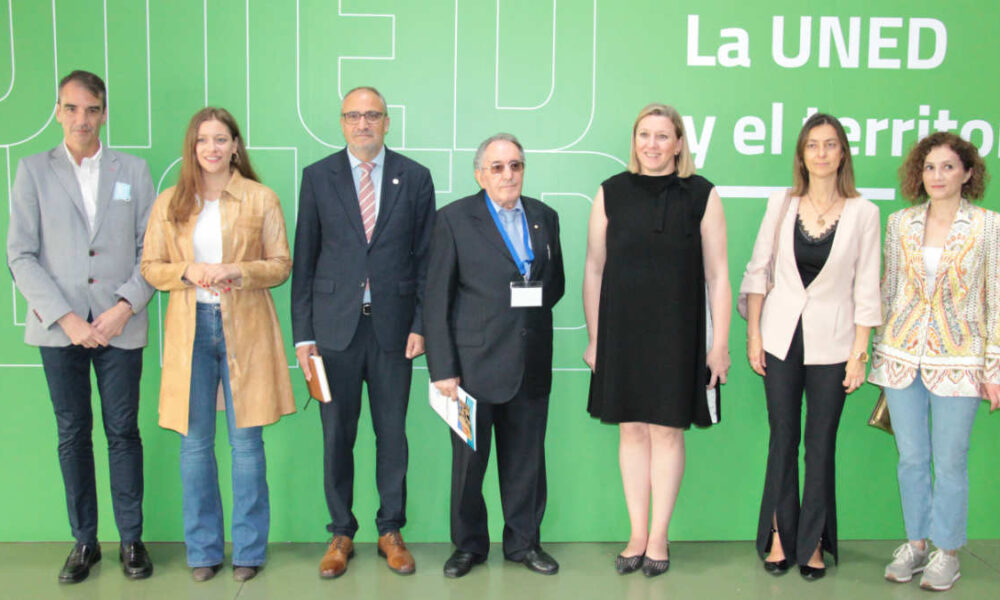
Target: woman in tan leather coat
216, 241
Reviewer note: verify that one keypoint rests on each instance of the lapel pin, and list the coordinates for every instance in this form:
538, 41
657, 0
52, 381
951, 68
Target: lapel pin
536, 225
395, 181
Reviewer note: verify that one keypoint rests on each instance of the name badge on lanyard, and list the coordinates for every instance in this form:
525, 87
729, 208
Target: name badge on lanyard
523, 294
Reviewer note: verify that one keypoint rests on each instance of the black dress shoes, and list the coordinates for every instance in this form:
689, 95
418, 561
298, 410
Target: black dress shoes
777, 568
78, 563
135, 560
627, 564
811, 573
540, 561
460, 563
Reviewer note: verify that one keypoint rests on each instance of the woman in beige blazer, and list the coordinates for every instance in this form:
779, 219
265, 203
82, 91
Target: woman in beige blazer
939, 351
216, 241
810, 334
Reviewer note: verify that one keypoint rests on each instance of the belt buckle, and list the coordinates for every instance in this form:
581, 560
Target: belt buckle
366, 309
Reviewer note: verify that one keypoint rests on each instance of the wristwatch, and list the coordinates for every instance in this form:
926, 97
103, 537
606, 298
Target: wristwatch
862, 356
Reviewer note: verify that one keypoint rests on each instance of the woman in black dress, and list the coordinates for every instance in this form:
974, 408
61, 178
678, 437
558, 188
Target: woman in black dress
657, 236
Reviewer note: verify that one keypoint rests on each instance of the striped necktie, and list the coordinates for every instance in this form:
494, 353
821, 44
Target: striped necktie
366, 198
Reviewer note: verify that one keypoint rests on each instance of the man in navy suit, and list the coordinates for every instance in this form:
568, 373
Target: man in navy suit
77, 220
495, 273
361, 241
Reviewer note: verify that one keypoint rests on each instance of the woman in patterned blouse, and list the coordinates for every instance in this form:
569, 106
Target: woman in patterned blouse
939, 350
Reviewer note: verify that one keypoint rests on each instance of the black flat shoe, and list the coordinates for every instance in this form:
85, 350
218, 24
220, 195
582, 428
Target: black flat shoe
811, 573
777, 568
652, 568
627, 564
78, 563
460, 563
135, 560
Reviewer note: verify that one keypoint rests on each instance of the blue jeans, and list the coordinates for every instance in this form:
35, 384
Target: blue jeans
203, 525
940, 512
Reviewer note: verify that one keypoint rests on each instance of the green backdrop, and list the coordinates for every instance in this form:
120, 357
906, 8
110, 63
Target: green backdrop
567, 77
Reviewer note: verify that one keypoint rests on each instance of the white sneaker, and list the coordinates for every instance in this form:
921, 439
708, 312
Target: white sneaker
941, 573
907, 560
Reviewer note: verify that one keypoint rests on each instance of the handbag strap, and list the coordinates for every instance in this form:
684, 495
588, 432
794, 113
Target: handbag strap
777, 238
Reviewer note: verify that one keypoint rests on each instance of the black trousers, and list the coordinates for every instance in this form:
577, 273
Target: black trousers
388, 377
801, 528
519, 426
67, 371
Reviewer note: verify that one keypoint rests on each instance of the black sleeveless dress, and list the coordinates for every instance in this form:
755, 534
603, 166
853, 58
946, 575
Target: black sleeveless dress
651, 322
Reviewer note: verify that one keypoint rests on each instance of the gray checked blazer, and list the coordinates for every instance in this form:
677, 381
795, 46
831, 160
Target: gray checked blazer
58, 264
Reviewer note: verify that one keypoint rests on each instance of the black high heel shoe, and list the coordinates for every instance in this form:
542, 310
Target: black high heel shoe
779, 567
811, 573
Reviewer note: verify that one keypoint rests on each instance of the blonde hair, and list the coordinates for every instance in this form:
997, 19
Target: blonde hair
684, 163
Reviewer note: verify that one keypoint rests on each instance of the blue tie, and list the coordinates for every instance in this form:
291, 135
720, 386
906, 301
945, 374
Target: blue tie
510, 220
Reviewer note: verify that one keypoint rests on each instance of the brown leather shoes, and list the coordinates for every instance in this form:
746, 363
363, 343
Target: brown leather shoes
334, 562
400, 560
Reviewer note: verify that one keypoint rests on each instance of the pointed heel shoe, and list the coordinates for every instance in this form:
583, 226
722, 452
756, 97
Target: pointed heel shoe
777, 568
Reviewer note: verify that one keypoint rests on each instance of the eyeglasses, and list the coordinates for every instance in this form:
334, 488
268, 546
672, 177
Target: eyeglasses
372, 116
515, 166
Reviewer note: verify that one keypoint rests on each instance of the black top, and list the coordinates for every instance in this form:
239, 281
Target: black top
651, 322
811, 252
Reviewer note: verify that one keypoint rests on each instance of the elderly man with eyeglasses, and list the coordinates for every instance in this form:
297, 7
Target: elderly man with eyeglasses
361, 241
495, 273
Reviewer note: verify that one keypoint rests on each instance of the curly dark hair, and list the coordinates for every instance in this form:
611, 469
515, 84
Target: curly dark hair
911, 172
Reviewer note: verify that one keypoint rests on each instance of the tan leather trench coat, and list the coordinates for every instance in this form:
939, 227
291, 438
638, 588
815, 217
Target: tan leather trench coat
253, 238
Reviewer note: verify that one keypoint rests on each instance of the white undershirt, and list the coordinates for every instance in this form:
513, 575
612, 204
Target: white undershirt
932, 258
207, 240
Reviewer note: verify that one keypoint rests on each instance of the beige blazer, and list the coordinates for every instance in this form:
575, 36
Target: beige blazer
844, 295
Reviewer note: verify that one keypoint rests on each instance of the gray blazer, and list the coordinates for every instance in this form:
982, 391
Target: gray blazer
58, 264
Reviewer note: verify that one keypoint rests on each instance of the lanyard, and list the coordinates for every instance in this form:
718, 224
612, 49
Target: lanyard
522, 267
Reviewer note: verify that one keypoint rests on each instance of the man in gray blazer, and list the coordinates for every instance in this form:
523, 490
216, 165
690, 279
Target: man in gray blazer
78, 217
361, 242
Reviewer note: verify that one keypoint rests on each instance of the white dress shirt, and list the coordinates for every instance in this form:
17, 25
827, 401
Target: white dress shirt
88, 172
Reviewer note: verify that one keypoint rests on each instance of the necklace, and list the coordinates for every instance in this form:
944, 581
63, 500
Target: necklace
819, 215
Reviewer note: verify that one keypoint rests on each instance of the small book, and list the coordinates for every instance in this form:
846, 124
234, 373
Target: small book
319, 386
460, 415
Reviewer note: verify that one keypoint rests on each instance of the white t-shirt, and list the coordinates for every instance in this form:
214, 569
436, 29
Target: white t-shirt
932, 258
207, 240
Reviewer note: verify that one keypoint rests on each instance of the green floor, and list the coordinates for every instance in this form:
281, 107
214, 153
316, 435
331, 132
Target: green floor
698, 570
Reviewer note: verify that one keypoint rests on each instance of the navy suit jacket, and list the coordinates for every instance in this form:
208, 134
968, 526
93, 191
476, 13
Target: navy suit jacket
333, 259
471, 330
